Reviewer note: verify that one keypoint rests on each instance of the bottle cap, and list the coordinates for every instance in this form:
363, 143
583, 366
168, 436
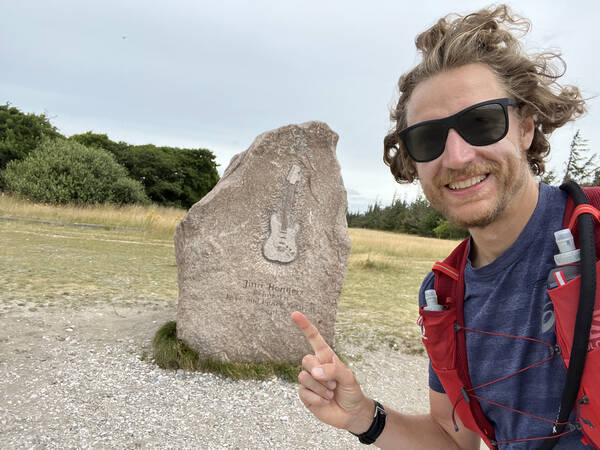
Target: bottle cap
431, 299
564, 240
566, 246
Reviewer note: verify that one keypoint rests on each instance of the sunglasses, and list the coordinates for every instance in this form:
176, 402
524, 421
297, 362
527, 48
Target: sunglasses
481, 124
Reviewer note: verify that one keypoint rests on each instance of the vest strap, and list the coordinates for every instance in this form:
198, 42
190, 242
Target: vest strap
583, 209
446, 269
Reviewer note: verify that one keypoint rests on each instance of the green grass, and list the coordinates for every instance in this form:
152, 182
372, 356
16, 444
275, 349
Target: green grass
43, 264
53, 264
173, 353
378, 305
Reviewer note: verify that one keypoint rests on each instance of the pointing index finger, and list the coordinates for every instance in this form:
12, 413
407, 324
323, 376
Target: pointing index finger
323, 352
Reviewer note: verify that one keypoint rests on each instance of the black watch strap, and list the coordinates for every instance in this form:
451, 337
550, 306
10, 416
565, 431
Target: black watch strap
371, 435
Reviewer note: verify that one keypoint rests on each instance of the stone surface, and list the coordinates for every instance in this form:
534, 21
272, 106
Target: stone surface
270, 238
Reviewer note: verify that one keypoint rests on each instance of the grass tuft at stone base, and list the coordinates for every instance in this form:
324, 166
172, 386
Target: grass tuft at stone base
173, 353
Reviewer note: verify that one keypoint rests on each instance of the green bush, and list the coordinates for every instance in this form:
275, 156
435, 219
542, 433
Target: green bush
127, 190
445, 230
171, 176
21, 133
62, 171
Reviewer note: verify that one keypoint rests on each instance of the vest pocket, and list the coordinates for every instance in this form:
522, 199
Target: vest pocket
438, 336
565, 299
588, 398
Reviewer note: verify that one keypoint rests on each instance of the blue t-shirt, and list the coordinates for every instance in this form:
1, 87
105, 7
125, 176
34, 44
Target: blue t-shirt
509, 296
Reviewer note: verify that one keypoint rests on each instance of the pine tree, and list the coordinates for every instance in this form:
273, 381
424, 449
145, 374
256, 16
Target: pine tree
549, 177
580, 168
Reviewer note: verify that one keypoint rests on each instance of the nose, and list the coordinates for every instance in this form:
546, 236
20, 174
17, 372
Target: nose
458, 153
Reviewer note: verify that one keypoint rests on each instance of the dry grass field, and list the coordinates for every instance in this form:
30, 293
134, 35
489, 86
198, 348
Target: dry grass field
156, 221
379, 299
45, 264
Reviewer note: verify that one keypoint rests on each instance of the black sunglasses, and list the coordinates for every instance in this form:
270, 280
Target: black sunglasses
481, 124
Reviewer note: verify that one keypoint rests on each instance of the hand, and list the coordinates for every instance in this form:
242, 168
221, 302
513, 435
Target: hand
329, 389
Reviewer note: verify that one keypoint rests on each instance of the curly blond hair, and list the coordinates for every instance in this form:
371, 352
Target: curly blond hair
489, 36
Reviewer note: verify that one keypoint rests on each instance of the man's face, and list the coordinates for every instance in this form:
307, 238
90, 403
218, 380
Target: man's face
471, 186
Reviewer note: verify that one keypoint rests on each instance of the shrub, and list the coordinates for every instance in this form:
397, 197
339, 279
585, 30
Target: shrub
62, 171
21, 133
171, 176
445, 230
127, 190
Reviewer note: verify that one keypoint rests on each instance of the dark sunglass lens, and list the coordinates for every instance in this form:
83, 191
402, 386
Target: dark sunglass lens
483, 125
426, 142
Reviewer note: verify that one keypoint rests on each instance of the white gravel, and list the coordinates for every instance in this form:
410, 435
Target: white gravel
78, 378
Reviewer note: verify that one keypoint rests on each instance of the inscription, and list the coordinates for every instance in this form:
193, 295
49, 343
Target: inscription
273, 303
270, 287
270, 295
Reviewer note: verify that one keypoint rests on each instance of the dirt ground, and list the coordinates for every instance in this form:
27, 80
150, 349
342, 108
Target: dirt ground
26, 332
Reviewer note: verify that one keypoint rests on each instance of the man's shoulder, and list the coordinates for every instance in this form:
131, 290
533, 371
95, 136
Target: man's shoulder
552, 193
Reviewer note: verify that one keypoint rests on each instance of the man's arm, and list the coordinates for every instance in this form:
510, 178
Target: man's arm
428, 431
330, 391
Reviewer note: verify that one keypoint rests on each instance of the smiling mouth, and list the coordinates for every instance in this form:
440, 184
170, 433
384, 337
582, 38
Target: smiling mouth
463, 184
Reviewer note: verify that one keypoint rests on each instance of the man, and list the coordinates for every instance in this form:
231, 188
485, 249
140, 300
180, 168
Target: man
471, 126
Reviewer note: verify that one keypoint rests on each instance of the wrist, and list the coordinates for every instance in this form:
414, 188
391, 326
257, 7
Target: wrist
363, 419
377, 425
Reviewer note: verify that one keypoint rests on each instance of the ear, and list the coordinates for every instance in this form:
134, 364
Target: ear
527, 128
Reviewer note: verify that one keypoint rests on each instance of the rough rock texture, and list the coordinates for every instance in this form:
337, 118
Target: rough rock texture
270, 238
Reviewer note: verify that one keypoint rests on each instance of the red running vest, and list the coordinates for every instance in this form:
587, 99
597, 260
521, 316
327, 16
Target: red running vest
444, 336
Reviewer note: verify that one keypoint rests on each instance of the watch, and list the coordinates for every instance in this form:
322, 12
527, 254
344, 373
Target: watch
371, 435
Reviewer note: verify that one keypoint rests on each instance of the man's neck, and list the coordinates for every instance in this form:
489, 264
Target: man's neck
493, 240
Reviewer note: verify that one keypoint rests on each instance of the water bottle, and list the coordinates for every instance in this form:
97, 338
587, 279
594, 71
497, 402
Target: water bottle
567, 260
432, 302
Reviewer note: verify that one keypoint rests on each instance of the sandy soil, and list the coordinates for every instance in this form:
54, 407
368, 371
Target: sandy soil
38, 346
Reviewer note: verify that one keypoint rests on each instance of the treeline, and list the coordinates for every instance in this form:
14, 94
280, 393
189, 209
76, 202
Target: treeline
417, 217
39, 163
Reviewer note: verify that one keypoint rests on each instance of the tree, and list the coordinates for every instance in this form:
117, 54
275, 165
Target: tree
63, 171
596, 181
549, 177
445, 230
21, 133
421, 219
200, 174
102, 141
171, 176
418, 217
579, 167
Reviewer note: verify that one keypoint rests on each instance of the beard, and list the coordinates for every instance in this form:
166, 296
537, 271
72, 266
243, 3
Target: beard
510, 178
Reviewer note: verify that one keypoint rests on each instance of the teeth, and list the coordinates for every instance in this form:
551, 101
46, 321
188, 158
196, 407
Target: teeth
466, 183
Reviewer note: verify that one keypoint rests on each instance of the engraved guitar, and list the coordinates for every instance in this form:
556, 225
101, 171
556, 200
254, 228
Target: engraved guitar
280, 246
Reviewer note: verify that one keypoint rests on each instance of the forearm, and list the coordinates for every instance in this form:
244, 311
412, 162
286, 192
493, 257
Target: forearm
404, 431
413, 432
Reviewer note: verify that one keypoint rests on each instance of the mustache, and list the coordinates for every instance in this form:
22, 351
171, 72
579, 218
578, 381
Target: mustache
450, 175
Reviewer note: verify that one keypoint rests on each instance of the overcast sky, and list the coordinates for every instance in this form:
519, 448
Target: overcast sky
217, 74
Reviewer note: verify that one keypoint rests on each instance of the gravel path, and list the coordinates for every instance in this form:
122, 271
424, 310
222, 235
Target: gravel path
80, 377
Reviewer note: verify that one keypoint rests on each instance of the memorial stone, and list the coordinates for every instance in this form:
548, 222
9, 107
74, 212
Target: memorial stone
270, 238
